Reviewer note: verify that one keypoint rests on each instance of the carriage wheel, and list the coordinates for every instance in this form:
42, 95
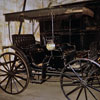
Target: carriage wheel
80, 80
14, 74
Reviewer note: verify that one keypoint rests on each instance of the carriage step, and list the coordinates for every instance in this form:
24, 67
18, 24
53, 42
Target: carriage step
36, 78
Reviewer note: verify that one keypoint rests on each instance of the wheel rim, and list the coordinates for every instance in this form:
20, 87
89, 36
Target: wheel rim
81, 82
14, 75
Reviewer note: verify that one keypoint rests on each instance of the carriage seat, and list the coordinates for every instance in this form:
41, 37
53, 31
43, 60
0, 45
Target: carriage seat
23, 41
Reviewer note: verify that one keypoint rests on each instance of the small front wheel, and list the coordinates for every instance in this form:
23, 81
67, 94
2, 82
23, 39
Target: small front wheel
14, 73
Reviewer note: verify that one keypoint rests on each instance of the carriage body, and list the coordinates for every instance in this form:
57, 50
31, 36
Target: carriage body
62, 31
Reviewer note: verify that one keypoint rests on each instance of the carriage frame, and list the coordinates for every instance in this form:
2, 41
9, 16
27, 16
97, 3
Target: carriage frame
36, 62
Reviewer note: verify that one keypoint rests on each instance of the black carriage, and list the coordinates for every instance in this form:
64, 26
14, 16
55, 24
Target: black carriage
62, 30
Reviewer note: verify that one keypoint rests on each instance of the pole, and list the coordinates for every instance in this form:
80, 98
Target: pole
20, 27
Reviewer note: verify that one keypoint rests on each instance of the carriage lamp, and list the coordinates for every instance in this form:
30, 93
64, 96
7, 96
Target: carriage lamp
50, 45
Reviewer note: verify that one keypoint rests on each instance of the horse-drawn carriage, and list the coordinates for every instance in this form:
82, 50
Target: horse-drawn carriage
57, 53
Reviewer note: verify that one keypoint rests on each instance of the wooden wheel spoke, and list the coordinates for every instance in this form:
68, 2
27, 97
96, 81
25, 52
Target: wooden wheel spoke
10, 60
85, 94
17, 67
15, 85
94, 88
21, 77
75, 89
3, 79
3, 71
3, 75
93, 71
18, 82
7, 83
82, 67
68, 76
92, 94
87, 68
79, 93
14, 62
11, 85
4, 66
5, 62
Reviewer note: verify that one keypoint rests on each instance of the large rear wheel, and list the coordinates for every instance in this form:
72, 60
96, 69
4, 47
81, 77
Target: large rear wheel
80, 80
14, 73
